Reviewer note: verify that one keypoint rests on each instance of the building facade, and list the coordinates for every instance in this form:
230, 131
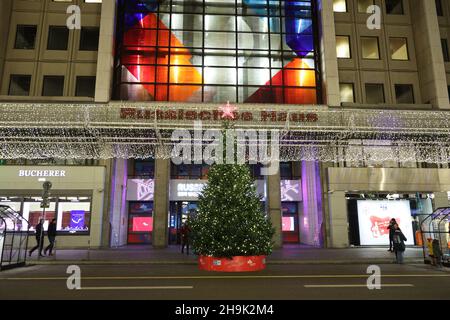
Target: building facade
358, 89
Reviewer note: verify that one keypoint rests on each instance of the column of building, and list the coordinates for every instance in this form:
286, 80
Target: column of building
329, 65
112, 211
338, 220
5, 10
161, 203
430, 60
117, 206
312, 230
105, 64
273, 205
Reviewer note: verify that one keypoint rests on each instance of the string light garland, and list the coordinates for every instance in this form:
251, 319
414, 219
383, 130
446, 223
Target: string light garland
97, 131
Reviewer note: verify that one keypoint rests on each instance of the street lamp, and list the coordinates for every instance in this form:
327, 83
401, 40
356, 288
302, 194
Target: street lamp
47, 185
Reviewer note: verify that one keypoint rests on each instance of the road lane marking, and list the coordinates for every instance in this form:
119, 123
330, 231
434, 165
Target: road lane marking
232, 277
138, 288
354, 285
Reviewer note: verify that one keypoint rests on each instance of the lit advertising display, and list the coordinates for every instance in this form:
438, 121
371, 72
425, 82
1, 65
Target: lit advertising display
291, 190
246, 51
142, 224
374, 217
140, 189
77, 220
288, 224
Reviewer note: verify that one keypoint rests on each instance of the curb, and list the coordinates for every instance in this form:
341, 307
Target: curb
172, 262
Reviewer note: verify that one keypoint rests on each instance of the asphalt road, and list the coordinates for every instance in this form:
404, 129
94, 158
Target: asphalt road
185, 282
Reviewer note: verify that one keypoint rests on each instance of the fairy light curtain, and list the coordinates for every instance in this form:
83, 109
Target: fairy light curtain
100, 131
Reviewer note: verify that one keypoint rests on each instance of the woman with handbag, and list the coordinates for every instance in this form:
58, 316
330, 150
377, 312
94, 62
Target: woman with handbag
399, 244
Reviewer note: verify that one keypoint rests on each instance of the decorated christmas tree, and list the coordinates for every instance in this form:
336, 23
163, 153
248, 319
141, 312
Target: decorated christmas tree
230, 220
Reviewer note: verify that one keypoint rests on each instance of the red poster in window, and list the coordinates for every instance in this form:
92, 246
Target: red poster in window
288, 224
142, 224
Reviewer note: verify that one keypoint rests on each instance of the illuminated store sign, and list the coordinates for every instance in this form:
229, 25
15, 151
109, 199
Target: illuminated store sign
42, 173
181, 190
189, 190
216, 115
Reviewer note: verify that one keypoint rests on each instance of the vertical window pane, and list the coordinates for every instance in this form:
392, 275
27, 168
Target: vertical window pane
249, 76
25, 37
374, 93
404, 93
364, 4
85, 87
439, 10
343, 47
339, 5
394, 6
370, 48
89, 39
445, 51
347, 92
53, 86
19, 85
58, 37
399, 48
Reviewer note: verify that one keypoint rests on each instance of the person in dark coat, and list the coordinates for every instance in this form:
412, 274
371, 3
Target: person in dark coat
51, 233
391, 233
399, 244
185, 231
39, 238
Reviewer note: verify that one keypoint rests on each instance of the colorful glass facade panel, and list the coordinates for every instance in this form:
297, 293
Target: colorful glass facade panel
255, 51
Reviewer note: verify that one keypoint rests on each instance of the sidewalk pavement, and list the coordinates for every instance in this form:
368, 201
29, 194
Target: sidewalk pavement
291, 254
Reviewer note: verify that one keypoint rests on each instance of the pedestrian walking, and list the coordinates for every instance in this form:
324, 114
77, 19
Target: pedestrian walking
185, 233
391, 233
39, 238
51, 234
398, 240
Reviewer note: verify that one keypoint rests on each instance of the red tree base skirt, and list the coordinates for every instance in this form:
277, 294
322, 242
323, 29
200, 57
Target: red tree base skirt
237, 264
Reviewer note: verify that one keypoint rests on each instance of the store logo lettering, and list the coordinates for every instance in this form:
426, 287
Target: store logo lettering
189, 189
42, 173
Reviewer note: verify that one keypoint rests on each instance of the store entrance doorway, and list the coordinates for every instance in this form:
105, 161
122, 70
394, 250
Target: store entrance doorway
179, 212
